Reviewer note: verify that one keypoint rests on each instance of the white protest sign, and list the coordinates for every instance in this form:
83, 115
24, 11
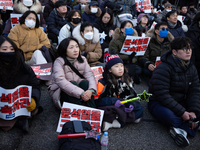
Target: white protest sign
98, 70
72, 112
158, 61
13, 102
181, 18
145, 5
135, 44
153, 25
15, 18
7, 3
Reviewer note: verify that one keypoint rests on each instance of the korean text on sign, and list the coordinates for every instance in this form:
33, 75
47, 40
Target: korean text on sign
7, 3
13, 102
97, 72
145, 4
72, 112
135, 44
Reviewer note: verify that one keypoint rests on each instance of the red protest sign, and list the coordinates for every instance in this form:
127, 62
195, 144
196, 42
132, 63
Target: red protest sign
158, 61
72, 112
43, 71
13, 102
135, 44
8, 4
143, 5
97, 72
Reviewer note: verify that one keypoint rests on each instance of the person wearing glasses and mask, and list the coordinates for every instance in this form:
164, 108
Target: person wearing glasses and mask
162, 14
91, 13
175, 89
158, 45
81, 5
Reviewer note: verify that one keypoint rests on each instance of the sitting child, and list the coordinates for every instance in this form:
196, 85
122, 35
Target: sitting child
115, 86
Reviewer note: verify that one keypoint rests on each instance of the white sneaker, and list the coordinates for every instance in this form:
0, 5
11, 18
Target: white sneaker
179, 136
138, 120
114, 124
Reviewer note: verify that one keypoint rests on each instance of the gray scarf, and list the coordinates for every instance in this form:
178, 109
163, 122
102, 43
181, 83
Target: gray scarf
71, 60
171, 25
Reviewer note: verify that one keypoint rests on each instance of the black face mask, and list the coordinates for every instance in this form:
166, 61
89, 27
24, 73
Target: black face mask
7, 57
191, 9
76, 20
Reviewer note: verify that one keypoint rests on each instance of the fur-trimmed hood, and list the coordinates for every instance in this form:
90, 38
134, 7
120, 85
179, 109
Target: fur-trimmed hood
77, 34
117, 33
20, 8
151, 33
87, 11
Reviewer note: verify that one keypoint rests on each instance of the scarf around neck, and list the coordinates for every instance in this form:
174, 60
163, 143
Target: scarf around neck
180, 63
171, 25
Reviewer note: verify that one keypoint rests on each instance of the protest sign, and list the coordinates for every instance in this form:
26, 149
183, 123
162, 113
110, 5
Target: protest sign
43, 71
158, 12
98, 70
15, 19
153, 25
135, 44
158, 61
13, 102
72, 112
144, 5
7, 3
181, 18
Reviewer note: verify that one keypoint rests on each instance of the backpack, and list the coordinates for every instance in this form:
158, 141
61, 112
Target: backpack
77, 143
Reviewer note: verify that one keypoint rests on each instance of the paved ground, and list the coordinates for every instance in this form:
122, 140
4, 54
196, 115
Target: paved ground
147, 135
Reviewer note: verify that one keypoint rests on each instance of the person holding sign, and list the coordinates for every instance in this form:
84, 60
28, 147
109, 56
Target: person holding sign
15, 72
175, 89
30, 38
130, 61
158, 45
72, 79
117, 86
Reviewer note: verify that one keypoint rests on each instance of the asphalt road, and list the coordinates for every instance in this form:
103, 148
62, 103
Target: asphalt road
147, 135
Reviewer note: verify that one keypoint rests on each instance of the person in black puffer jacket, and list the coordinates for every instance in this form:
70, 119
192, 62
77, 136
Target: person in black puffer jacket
175, 91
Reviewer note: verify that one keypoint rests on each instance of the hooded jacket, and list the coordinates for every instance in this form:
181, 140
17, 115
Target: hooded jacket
55, 22
177, 31
63, 74
91, 47
155, 48
172, 86
20, 8
90, 17
117, 43
28, 39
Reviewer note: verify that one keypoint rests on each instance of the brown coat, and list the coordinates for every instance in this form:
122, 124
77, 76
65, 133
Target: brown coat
28, 39
63, 74
91, 47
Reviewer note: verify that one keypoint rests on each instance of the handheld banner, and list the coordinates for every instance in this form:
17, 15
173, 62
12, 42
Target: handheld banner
43, 71
135, 44
7, 3
158, 61
153, 25
145, 5
72, 112
13, 102
98, 70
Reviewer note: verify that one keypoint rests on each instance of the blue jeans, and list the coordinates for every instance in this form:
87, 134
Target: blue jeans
167, 117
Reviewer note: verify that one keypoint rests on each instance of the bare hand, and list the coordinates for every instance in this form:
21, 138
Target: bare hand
87, 95
111, 33
193, 115
186, 116
4, 9
151, 67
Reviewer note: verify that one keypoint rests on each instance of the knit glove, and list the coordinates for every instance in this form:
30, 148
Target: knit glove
32, 105
128, 110
118, 103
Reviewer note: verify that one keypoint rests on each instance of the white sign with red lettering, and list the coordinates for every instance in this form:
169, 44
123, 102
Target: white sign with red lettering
135, 44
72, 112
158, 61
153, 25
143, 5
98, 70
8, 4
181, 18
13, 102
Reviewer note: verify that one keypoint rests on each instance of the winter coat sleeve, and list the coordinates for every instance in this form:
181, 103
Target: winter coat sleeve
96, 54
65, 85
14, 35
43, 39
51, 22
46, 13
160, 85
7, 27
64, 33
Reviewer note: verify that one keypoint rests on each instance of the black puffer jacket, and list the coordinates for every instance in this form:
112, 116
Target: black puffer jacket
47, 10
171, 85
55, 22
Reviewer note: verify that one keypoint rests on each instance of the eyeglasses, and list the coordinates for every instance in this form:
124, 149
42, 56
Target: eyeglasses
185, 49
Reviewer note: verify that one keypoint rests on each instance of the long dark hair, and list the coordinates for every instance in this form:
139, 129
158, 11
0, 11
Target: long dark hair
110, 12
62, 48
10, 70
107, 75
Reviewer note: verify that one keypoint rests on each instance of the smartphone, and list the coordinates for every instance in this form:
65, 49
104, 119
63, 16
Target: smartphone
78, 126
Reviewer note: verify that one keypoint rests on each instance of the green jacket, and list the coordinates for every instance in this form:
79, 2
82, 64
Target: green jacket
117, 43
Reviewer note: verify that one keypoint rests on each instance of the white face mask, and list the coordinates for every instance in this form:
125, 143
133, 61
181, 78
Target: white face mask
88, 35
83, 6
28, 3
94, 10
168, 10
30, 23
